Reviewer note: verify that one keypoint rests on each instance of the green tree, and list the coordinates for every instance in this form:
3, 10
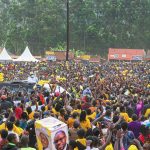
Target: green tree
95, 25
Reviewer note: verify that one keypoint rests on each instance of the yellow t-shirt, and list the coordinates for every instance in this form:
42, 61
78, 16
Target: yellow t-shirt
85, 124
147, 113
2, 126
148, 85
54, 111
71, 122
82, 141
126, 117
106, 101
92, 116
109, 147
31, 115
46, 108
76, 110
16, 129
132, 147
106, 95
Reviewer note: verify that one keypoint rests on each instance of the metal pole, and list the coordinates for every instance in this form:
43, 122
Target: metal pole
68, 29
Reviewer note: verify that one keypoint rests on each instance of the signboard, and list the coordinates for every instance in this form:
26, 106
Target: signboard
116, 55
136, 57
52, 58
85, 57
123, 55
49, 53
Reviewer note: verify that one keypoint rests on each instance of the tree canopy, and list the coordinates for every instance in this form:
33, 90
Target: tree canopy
95, 25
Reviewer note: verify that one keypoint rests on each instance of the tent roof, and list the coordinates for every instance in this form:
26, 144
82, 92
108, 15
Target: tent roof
4, 55
26, 56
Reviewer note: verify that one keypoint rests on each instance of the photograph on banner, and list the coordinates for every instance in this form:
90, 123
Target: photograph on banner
60, 139
51, 134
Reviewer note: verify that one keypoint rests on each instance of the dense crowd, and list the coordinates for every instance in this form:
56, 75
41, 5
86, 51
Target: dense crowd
106, 106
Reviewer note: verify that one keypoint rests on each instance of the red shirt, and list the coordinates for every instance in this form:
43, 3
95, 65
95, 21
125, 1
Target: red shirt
143, 139
41, 98
18, 112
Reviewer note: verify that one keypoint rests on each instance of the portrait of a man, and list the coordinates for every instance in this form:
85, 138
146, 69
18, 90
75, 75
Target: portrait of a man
60, 140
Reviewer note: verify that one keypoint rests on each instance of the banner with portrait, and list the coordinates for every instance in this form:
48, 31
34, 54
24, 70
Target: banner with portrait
52, 134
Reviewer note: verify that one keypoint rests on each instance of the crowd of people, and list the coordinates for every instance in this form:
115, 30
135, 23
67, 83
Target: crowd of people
105, 106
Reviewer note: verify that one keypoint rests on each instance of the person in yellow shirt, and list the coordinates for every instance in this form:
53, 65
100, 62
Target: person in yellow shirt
56, 108
30, 113
78, 109
132, 147
16, 127
91, 116
81, 138
54, 111
72, 119
46, 107
147, 113
84, 121
17, 130
124, 114
136, 145
109, 147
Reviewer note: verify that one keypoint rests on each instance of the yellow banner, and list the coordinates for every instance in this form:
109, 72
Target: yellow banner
85, 57
49, 53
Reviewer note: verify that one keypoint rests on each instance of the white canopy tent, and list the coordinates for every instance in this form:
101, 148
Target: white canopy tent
26, 56
4, 56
